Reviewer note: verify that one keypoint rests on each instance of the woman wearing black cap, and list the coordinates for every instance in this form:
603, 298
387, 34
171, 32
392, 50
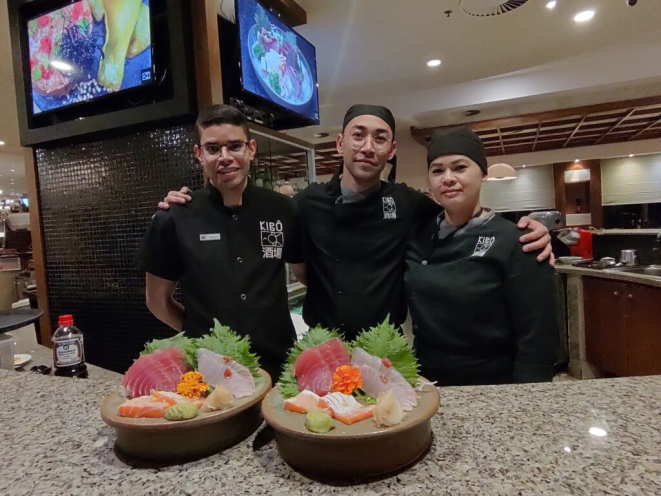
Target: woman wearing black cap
483, 311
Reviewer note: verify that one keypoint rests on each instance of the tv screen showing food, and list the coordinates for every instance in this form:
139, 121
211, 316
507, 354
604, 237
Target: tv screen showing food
89, 49
276, 62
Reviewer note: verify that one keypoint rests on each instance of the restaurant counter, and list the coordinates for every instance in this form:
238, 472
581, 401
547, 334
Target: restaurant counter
575, 437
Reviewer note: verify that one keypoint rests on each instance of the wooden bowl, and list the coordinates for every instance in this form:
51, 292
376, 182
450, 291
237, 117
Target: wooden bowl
358, 450
164, 441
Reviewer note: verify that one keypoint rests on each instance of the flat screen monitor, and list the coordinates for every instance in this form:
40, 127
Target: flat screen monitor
88, 49
277, 64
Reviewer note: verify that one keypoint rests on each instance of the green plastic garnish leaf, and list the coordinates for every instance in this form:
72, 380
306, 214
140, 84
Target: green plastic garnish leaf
385, 341
287, 384
186, 344
224, 341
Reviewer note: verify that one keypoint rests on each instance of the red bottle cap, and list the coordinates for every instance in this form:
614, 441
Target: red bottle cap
65, 320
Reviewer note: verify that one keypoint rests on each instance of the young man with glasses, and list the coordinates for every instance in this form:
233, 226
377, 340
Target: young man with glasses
227, 249
356, 229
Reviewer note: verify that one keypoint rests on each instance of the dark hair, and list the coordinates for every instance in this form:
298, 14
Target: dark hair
217, 115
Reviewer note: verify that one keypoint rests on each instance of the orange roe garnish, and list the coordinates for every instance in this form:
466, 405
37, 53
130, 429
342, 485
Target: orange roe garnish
387, 363
191, 385
227, 374
346, 378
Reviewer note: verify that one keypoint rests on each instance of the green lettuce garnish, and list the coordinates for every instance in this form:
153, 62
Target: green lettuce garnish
224, 341
188, 345
384, 341
258, 50
287, 384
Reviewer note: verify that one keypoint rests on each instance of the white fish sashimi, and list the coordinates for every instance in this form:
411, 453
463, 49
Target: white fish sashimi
220, 370
378, 378
342, 403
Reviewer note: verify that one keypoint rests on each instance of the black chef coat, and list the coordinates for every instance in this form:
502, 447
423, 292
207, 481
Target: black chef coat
355, 260
483, 311
230, 264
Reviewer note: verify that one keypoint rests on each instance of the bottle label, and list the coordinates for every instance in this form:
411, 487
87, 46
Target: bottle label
68, 352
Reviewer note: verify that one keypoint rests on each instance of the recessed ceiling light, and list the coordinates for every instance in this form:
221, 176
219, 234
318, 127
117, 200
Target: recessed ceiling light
584, 16
551, 5
434, 63
631, 156
523, 166
576, 161
12, 170
2, 143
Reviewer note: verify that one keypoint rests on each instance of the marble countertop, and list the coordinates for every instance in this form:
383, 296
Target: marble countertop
609, 274
524, 439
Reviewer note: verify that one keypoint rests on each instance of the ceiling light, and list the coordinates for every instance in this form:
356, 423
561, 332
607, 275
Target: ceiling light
523, 166
12, 170
434, 63
631, 156
584, 16
501, 172
576, 161
551, 5
2, 143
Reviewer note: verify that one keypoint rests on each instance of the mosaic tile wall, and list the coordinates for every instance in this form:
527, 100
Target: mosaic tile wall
96, 202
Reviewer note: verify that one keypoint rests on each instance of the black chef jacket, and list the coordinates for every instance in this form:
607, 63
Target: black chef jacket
355, 259
230, 264
483, 311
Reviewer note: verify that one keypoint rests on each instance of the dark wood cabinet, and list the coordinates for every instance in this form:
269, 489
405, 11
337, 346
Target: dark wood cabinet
605, 340
622, 326
644, 330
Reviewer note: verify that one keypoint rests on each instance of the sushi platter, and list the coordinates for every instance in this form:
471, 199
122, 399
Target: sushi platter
356, 409
185, 398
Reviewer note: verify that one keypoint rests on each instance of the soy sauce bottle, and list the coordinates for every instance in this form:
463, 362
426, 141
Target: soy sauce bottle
68, 349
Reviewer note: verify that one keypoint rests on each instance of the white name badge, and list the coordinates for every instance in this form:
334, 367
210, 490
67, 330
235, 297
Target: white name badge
210, 237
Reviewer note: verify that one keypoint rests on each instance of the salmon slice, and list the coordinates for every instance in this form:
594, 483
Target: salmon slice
345, 408
355, 415
303, 402
175, 398
143, 407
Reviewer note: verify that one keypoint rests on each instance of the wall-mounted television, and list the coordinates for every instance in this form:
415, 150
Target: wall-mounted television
83, 68
88, 49
278, 65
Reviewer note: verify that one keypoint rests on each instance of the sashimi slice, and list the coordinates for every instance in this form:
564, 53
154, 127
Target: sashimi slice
378, 376
143, 407
160, 370
345, 408
175, 398
314, 367
304, 402
220, 370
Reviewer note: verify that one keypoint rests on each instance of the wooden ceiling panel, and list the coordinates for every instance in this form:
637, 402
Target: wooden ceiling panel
567, 128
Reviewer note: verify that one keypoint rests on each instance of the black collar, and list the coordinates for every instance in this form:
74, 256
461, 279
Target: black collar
217, 199
334, 188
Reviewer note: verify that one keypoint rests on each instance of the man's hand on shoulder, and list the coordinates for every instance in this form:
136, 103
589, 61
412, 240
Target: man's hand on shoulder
180, 197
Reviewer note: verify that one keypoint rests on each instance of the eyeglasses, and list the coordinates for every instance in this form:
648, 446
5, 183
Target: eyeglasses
357, 140
234, 148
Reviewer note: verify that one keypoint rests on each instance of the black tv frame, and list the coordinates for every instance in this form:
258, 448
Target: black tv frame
176, 102
230, 39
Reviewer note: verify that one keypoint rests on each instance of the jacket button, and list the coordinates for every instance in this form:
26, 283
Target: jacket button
239, 259
243, 297
235, 217
424, 262
339, 291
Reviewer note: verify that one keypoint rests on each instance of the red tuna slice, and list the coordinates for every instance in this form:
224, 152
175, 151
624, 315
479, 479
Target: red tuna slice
314, 367
160, 370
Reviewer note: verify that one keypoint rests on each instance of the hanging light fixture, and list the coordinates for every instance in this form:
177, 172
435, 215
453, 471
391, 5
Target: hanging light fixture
501, 172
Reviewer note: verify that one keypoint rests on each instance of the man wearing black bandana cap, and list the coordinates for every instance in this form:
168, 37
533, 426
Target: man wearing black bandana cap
357, 227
